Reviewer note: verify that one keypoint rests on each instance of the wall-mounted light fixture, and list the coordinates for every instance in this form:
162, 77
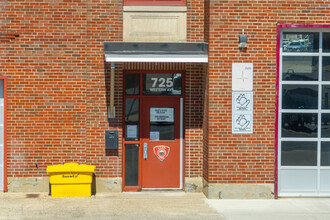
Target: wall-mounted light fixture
242, 41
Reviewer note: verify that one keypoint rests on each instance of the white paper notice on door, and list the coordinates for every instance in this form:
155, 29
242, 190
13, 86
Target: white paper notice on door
161, 114
154, 135
131, 131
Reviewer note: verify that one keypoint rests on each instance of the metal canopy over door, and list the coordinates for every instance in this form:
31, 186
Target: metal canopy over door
161, 143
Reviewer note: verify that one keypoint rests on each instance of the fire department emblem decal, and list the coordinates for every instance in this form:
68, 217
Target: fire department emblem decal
161, 152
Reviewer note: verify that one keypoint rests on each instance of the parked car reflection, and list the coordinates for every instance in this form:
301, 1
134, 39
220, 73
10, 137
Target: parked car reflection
296, 46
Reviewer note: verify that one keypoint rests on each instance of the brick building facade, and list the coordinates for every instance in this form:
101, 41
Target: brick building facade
56, 73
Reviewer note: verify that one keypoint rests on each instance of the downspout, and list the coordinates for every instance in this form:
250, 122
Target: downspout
112, 90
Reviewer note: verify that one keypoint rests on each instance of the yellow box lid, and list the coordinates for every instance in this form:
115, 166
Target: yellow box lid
70, 167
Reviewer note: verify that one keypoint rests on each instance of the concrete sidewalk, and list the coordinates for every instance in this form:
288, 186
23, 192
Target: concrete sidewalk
159, 205
281, 209
142, 205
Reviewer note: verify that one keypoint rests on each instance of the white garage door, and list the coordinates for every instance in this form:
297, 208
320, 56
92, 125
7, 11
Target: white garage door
304, 113
1, 134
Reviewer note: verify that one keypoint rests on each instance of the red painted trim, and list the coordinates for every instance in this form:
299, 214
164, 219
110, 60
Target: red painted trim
155, 2
279, 27
5, 84
131, 189
278, 45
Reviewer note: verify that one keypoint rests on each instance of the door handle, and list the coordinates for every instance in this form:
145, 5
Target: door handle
145, 151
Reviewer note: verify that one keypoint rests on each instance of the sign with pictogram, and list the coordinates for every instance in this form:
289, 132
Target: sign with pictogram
242, 115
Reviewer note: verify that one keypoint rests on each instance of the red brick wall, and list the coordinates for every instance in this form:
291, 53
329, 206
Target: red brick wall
104, 23
52, 53
195, 21
46, 70
194, 120
57, 83
235, 158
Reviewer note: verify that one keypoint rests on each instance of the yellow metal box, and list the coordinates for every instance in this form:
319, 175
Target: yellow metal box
71, 179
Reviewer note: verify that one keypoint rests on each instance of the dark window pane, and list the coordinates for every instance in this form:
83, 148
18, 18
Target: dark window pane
298, 153
162, 84
326, 68
326, 42
299, 96
325, 97
132, 84
300, 42
325, 125
300, 68
131, 165
1, 88
132, 110
325, 154
165, 131
132, 119
299, 125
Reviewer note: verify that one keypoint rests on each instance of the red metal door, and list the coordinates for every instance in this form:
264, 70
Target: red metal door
161, 143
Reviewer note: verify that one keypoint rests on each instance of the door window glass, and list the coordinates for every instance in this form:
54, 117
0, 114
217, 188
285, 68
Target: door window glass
300, 68
132, 119
298, 153
326, 42
131, 164
132, 84
299, 125
299, 96
326, 68
325, 125
161, 124
300, 42
325, 97
325, 154
162, 84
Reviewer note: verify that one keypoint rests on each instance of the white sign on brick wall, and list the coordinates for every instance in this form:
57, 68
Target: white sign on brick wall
242, 76
242, 115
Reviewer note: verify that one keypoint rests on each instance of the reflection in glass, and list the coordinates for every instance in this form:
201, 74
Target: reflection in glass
132, 110
1, 88
298, 153
162, 84
325, 125
131, 164
325, 97
299, 125
132, 84
326, 68
325, 154
300, 42
132, 119
162, 130
299, 96
300, 68
326, 42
